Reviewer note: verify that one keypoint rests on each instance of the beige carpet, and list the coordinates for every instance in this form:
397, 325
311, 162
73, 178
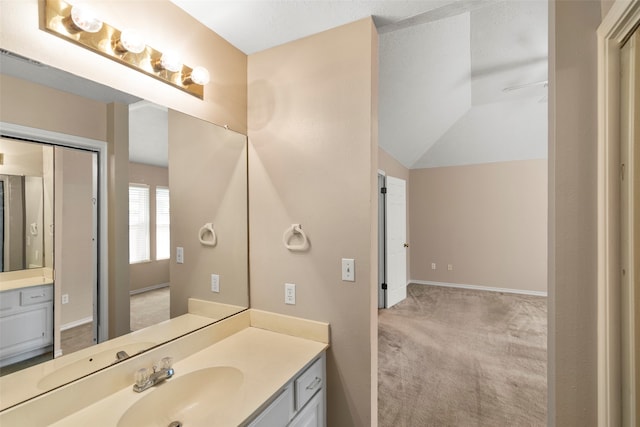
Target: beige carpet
457, 357
149, 308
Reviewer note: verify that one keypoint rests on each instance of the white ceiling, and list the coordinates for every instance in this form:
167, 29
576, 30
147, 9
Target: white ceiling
443, 64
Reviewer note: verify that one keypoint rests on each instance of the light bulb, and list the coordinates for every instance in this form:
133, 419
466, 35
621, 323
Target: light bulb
200, 76
171, 61
132, 41
85, 19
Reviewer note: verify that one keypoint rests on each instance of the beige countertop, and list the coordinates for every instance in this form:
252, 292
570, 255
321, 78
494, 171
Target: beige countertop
267, 360
38, 379
25, 278
268, 349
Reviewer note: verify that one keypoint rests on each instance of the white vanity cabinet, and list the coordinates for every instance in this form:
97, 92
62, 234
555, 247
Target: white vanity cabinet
301, 403
26, 323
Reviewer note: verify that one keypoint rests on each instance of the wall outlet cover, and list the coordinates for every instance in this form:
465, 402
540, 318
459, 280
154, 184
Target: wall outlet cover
290, 293
215, 283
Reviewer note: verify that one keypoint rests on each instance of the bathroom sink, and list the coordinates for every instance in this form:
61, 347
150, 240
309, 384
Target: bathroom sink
88, 364
193, 399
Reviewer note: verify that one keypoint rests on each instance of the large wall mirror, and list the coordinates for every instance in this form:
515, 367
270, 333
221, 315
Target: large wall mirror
186, 190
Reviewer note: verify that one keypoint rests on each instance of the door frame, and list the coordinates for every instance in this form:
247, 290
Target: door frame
382, 239
100, 147
622, 19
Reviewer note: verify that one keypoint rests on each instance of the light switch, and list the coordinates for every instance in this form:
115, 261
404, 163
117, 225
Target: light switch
179, 255
348, 270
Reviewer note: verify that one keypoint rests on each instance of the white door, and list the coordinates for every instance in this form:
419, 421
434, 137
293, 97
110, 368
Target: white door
396, 240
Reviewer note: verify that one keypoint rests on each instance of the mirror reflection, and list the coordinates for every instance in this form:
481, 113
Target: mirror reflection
183, 174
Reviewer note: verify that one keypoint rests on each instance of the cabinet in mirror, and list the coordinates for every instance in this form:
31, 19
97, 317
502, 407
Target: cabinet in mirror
149, 179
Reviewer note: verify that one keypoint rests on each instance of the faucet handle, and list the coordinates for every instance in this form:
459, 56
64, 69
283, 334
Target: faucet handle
142, 377
166, 362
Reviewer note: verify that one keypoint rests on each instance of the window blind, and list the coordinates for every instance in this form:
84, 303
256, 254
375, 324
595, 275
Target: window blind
163, 249
138, 223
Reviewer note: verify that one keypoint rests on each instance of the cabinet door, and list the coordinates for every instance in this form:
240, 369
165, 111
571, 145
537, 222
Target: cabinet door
312, 415
278, 413
26, 330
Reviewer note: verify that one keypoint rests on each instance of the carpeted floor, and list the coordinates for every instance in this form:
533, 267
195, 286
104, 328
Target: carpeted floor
457, 357
149, 308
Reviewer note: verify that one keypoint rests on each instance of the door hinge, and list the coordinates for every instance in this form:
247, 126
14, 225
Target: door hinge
383, 190
384, 286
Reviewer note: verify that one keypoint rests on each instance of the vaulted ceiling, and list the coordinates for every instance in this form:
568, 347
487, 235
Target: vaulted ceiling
461, 81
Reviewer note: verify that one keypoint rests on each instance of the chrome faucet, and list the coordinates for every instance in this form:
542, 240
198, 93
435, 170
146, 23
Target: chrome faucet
121, 355
146, 379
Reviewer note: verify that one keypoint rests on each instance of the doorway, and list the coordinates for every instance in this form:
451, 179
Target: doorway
392, 240
96, 151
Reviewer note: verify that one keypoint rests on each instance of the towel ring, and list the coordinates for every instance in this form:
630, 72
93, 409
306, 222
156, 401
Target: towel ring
288, 234
207, 236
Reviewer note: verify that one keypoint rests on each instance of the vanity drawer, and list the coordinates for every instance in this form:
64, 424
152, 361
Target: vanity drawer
308, 383
9, 300
36, 295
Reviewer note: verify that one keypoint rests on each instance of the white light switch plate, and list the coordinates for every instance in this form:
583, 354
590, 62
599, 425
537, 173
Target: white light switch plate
348, 270
179, 255
290, 293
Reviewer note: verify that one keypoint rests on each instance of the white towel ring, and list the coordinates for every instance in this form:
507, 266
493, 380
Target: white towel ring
207, 235
288, 234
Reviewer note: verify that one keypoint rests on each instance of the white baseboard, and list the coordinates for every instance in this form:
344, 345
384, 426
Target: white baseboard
149, 288
480, 288
75, 323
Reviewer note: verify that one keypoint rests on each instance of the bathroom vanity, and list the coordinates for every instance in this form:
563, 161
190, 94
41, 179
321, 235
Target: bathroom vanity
26, 318
252, 369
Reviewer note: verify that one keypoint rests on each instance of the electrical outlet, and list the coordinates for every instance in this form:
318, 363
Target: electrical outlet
215, 283
433, 265
450, 267
65, 298
179, 255
348, 270
290, 293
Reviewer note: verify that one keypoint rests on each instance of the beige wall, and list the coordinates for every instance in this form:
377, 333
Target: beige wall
166, 27
74, 264
313, 161
208, 180
572, 213
488, 220
29, 104
145, 274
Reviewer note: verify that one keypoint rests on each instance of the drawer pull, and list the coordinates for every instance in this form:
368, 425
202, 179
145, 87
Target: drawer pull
315, 383
37, 296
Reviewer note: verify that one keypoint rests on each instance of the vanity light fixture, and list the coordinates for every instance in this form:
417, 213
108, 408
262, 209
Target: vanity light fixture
130, 41
83, 19
199, 76
169, 61
78, 24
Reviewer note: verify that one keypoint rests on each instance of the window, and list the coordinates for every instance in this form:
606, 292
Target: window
138, 223
162, 223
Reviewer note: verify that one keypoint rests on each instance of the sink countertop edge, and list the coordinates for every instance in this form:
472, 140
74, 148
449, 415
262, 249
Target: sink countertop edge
267, 359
